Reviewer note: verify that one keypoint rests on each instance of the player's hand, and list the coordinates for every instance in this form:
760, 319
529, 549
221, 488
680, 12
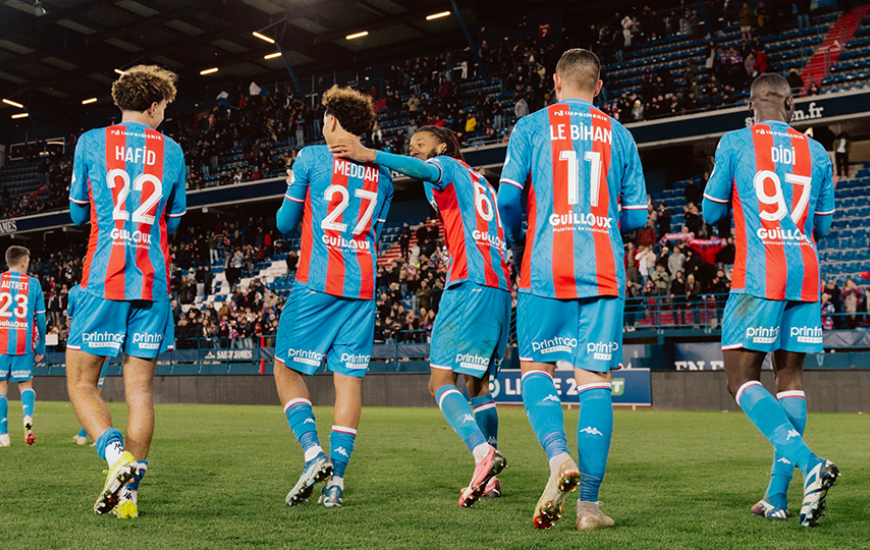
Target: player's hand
352, 149
38, 358
289, 179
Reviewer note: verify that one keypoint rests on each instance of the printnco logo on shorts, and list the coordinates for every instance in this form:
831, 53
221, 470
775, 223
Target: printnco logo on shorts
103, 339
147, 341
472, 362
352, 361
21, 374
807, 335
763, 335
306, 357
559, 343
602, 350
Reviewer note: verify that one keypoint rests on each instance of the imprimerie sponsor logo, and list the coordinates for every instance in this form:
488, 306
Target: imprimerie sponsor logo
103, 339
147, 341
306, 357
353, 361
807, 335
602, 350
763, 335
559, 343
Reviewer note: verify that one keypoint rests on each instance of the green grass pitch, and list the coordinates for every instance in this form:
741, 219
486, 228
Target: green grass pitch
218, 476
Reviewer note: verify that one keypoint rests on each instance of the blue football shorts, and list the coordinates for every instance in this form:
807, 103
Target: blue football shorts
18, 368
105, 327
768, 325
315, 326
471, 330
584, 333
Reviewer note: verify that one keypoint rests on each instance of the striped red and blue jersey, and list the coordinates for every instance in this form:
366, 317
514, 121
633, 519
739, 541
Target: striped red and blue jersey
473, 231
133, 179
577, 167
20, 301
777, 180
344, 205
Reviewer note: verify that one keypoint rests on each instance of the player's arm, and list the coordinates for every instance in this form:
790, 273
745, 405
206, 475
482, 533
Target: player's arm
294, 199
417, 169
386, 178
717, 195
39, 313
516, 170
79, 197
824, 215
177, 204
633, 193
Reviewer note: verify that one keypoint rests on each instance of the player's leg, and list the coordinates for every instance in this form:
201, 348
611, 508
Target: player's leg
4, 409
81, 438
790, 396
28, 405
302, 342
139, 393
348, 360
599, 350
546, 330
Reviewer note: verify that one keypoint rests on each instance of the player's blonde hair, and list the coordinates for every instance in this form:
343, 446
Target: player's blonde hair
15, 255
354, 110
142, 86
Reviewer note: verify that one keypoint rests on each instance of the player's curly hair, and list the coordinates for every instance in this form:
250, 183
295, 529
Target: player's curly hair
354, 110
447, 137
142, 86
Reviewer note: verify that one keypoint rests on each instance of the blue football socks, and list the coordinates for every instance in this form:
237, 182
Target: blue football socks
544, 409
594, 430
4, 414
28, 401
486, 416
110, 445
458, 414
301, 420
83, 433
772, 421
142, 468
794, 404
341, 441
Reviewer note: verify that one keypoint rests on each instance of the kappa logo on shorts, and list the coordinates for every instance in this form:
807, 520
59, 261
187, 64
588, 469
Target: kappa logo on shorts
147, 341
559, 343
353, 361
763, 335
603, 351
103, 339
807, 335
306, 357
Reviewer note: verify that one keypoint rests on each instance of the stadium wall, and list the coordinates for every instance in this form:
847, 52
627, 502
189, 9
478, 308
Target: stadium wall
845, 391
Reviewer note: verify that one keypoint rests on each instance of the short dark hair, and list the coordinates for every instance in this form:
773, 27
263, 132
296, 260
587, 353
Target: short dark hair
445, 136
354, 110
15, 255
770, 87
143, 85
580, 68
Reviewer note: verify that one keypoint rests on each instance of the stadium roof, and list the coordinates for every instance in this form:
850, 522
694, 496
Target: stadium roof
69, 53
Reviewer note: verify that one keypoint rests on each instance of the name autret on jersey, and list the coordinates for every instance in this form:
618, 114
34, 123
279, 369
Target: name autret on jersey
14, 285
